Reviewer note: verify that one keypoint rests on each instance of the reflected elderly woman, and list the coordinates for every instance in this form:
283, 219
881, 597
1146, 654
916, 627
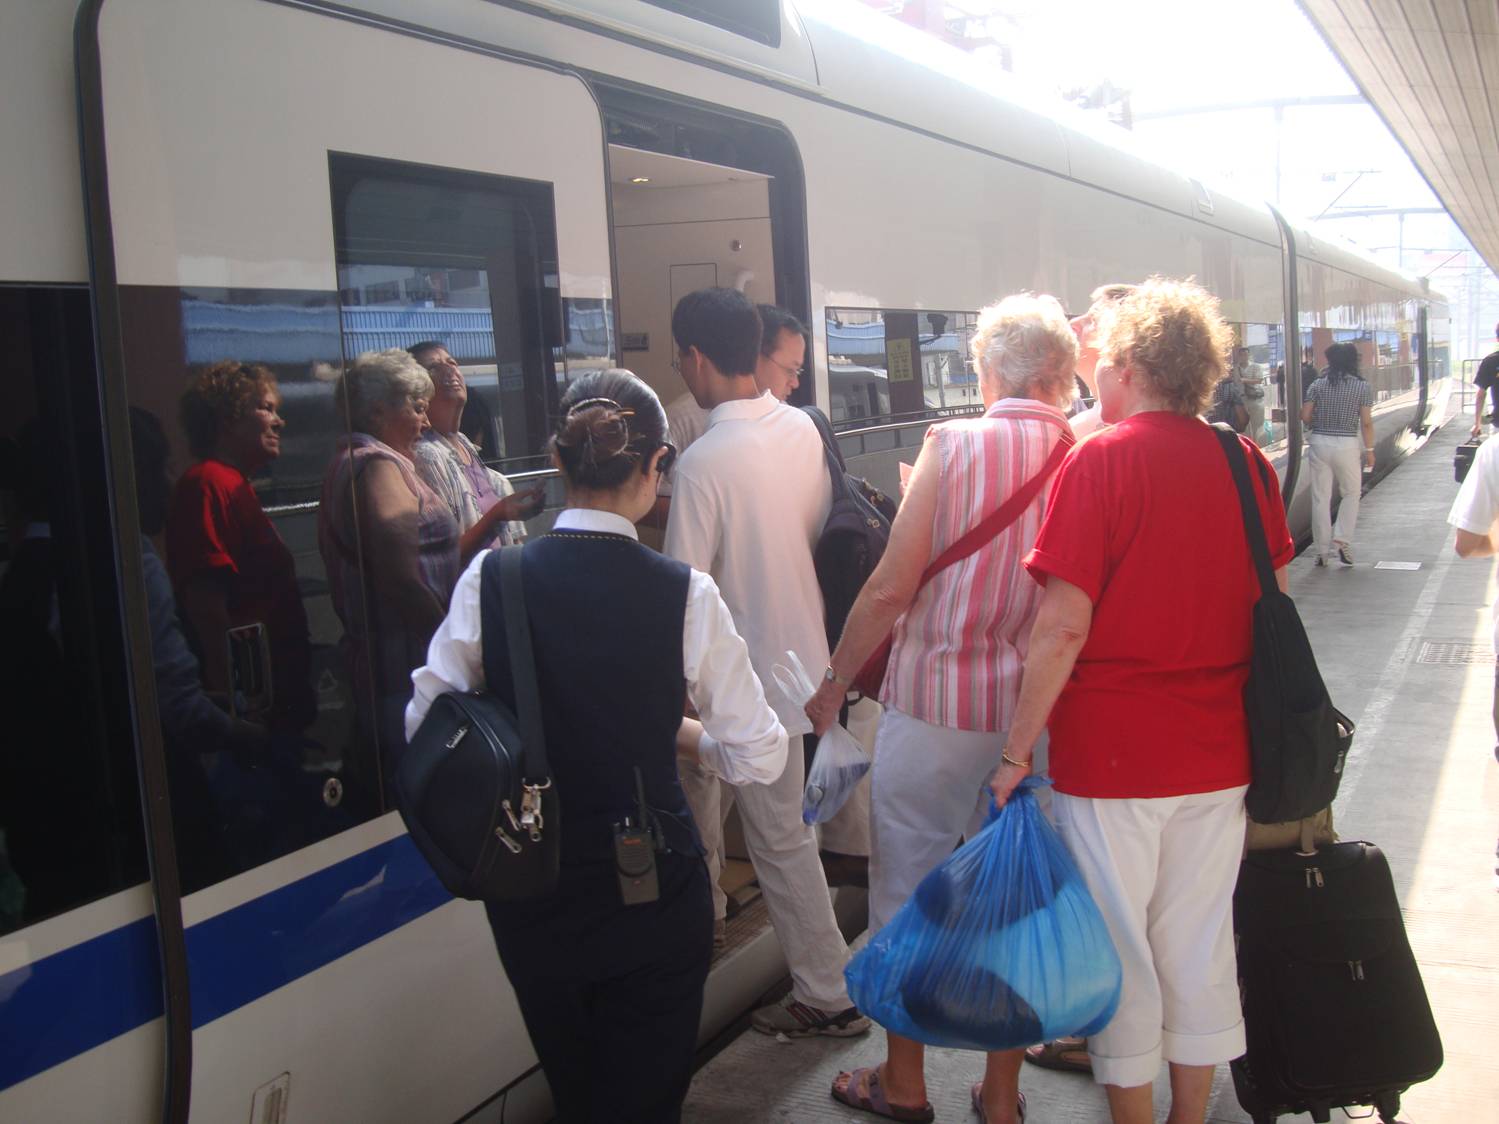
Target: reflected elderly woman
954, 672
228, 564
389, 543
1136, 667
489, 511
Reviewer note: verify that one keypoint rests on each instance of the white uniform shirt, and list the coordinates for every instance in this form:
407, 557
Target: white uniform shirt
742, 741
750, 500
1477, 505
686, 421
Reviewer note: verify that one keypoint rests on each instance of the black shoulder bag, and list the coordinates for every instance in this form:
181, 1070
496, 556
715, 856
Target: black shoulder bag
853, 537
474, 786
1297, 739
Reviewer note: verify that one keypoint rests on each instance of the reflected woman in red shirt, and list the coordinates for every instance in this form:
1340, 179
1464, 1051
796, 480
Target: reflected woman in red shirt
228, 564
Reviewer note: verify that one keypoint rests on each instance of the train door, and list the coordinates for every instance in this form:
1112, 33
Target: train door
258, 230
81, 995
698, 198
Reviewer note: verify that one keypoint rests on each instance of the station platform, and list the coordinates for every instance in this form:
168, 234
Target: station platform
1406, 652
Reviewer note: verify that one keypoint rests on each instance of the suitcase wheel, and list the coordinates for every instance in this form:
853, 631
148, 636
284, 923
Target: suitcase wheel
1388, 1105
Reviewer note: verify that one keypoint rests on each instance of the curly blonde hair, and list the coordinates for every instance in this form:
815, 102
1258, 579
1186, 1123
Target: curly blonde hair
218, 396
1173, 335
1023, 343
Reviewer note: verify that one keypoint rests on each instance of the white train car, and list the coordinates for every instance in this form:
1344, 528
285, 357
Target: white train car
534, 182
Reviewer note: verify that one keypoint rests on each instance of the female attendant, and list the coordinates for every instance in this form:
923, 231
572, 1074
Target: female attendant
1138, 658
612, 993
954, 670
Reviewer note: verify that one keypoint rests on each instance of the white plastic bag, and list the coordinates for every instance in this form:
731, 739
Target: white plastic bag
840, 762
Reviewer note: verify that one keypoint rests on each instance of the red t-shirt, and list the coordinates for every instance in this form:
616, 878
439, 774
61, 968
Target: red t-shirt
1145, 519
216, 523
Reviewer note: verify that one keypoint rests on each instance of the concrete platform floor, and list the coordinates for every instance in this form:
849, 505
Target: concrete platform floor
1407, 654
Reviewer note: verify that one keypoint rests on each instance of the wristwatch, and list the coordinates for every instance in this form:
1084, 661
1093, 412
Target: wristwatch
831, 676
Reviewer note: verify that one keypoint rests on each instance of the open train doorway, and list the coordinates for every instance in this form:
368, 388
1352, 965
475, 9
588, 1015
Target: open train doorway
682, 225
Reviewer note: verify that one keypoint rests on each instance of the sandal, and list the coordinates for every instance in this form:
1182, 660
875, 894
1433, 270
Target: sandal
1070, 1054
976, 1093
872, 1099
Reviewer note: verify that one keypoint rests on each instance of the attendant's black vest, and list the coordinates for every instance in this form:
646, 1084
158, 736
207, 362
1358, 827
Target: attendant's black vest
606, 625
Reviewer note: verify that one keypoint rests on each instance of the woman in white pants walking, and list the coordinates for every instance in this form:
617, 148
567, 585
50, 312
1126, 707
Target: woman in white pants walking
1338, 411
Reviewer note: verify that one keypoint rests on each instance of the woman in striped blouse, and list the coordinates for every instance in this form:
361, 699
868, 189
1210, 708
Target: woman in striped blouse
957, 652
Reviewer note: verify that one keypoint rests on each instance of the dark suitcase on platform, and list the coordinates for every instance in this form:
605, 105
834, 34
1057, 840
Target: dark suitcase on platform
1462, 460
1334, 1009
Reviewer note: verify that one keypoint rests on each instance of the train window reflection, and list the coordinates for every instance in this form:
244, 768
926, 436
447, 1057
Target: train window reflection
468, 261
1257, 368
885, 364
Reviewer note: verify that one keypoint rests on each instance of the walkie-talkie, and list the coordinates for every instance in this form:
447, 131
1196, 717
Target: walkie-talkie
635, 853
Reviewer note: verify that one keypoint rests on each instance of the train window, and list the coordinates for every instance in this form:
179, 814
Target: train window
233, 426
759, 20
70, 827
886, 365
470, 261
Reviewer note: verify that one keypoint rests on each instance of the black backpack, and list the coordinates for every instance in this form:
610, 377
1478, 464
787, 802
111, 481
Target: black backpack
1298, 740
853, 539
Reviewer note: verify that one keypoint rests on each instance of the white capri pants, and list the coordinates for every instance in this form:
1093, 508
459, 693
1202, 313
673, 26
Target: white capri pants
928, 791
1162, 871
1334, 459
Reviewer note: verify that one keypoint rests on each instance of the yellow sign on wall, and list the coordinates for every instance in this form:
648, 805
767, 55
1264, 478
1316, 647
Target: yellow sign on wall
898, 360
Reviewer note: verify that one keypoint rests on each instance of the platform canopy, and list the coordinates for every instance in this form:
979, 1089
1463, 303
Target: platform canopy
1430, 68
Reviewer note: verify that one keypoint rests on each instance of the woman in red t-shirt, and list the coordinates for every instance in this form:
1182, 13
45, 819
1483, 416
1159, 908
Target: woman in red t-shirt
1138, 660
227, 562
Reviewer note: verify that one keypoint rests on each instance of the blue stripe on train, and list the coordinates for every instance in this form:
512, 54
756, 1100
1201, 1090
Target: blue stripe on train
82, 997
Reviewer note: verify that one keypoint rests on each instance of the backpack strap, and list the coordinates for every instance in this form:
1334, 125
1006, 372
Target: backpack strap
522, 665
1254, 527
1009, 511
837, 467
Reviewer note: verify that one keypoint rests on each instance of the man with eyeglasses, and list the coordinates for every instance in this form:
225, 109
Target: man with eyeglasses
783, 352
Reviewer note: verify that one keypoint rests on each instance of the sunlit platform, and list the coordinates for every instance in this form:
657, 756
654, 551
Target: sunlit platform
1404, 642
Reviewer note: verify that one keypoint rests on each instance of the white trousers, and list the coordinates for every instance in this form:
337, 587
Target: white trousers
1162, 872
1331, 458
784, 852
928, 792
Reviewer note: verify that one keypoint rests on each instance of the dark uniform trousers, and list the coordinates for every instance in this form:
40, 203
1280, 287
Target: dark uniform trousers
612, 994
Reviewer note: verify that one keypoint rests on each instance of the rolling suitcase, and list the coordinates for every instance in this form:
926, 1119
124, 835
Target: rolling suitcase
1334, 1009
1462, 460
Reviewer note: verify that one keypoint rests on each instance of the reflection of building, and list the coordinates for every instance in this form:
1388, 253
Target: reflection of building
900, 363
973, 27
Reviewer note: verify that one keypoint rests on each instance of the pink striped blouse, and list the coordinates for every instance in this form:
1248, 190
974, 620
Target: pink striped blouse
958, 650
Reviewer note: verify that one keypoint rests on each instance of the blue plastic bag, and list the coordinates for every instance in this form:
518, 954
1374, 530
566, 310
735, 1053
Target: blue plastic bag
840, 761
1000, 947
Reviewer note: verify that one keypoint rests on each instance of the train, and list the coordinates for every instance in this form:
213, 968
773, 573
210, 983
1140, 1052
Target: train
535, 183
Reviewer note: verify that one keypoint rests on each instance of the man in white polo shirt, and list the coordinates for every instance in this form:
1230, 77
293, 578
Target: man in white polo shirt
748, 502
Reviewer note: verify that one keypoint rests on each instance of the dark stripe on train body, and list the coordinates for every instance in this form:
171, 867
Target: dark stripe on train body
86, 995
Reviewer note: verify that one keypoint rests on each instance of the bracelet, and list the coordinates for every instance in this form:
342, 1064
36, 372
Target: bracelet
1008, 760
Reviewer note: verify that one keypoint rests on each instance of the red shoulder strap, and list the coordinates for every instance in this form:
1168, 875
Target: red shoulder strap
1007, 512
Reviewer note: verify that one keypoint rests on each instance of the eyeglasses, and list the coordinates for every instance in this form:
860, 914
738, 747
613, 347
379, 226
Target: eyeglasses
797, 373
